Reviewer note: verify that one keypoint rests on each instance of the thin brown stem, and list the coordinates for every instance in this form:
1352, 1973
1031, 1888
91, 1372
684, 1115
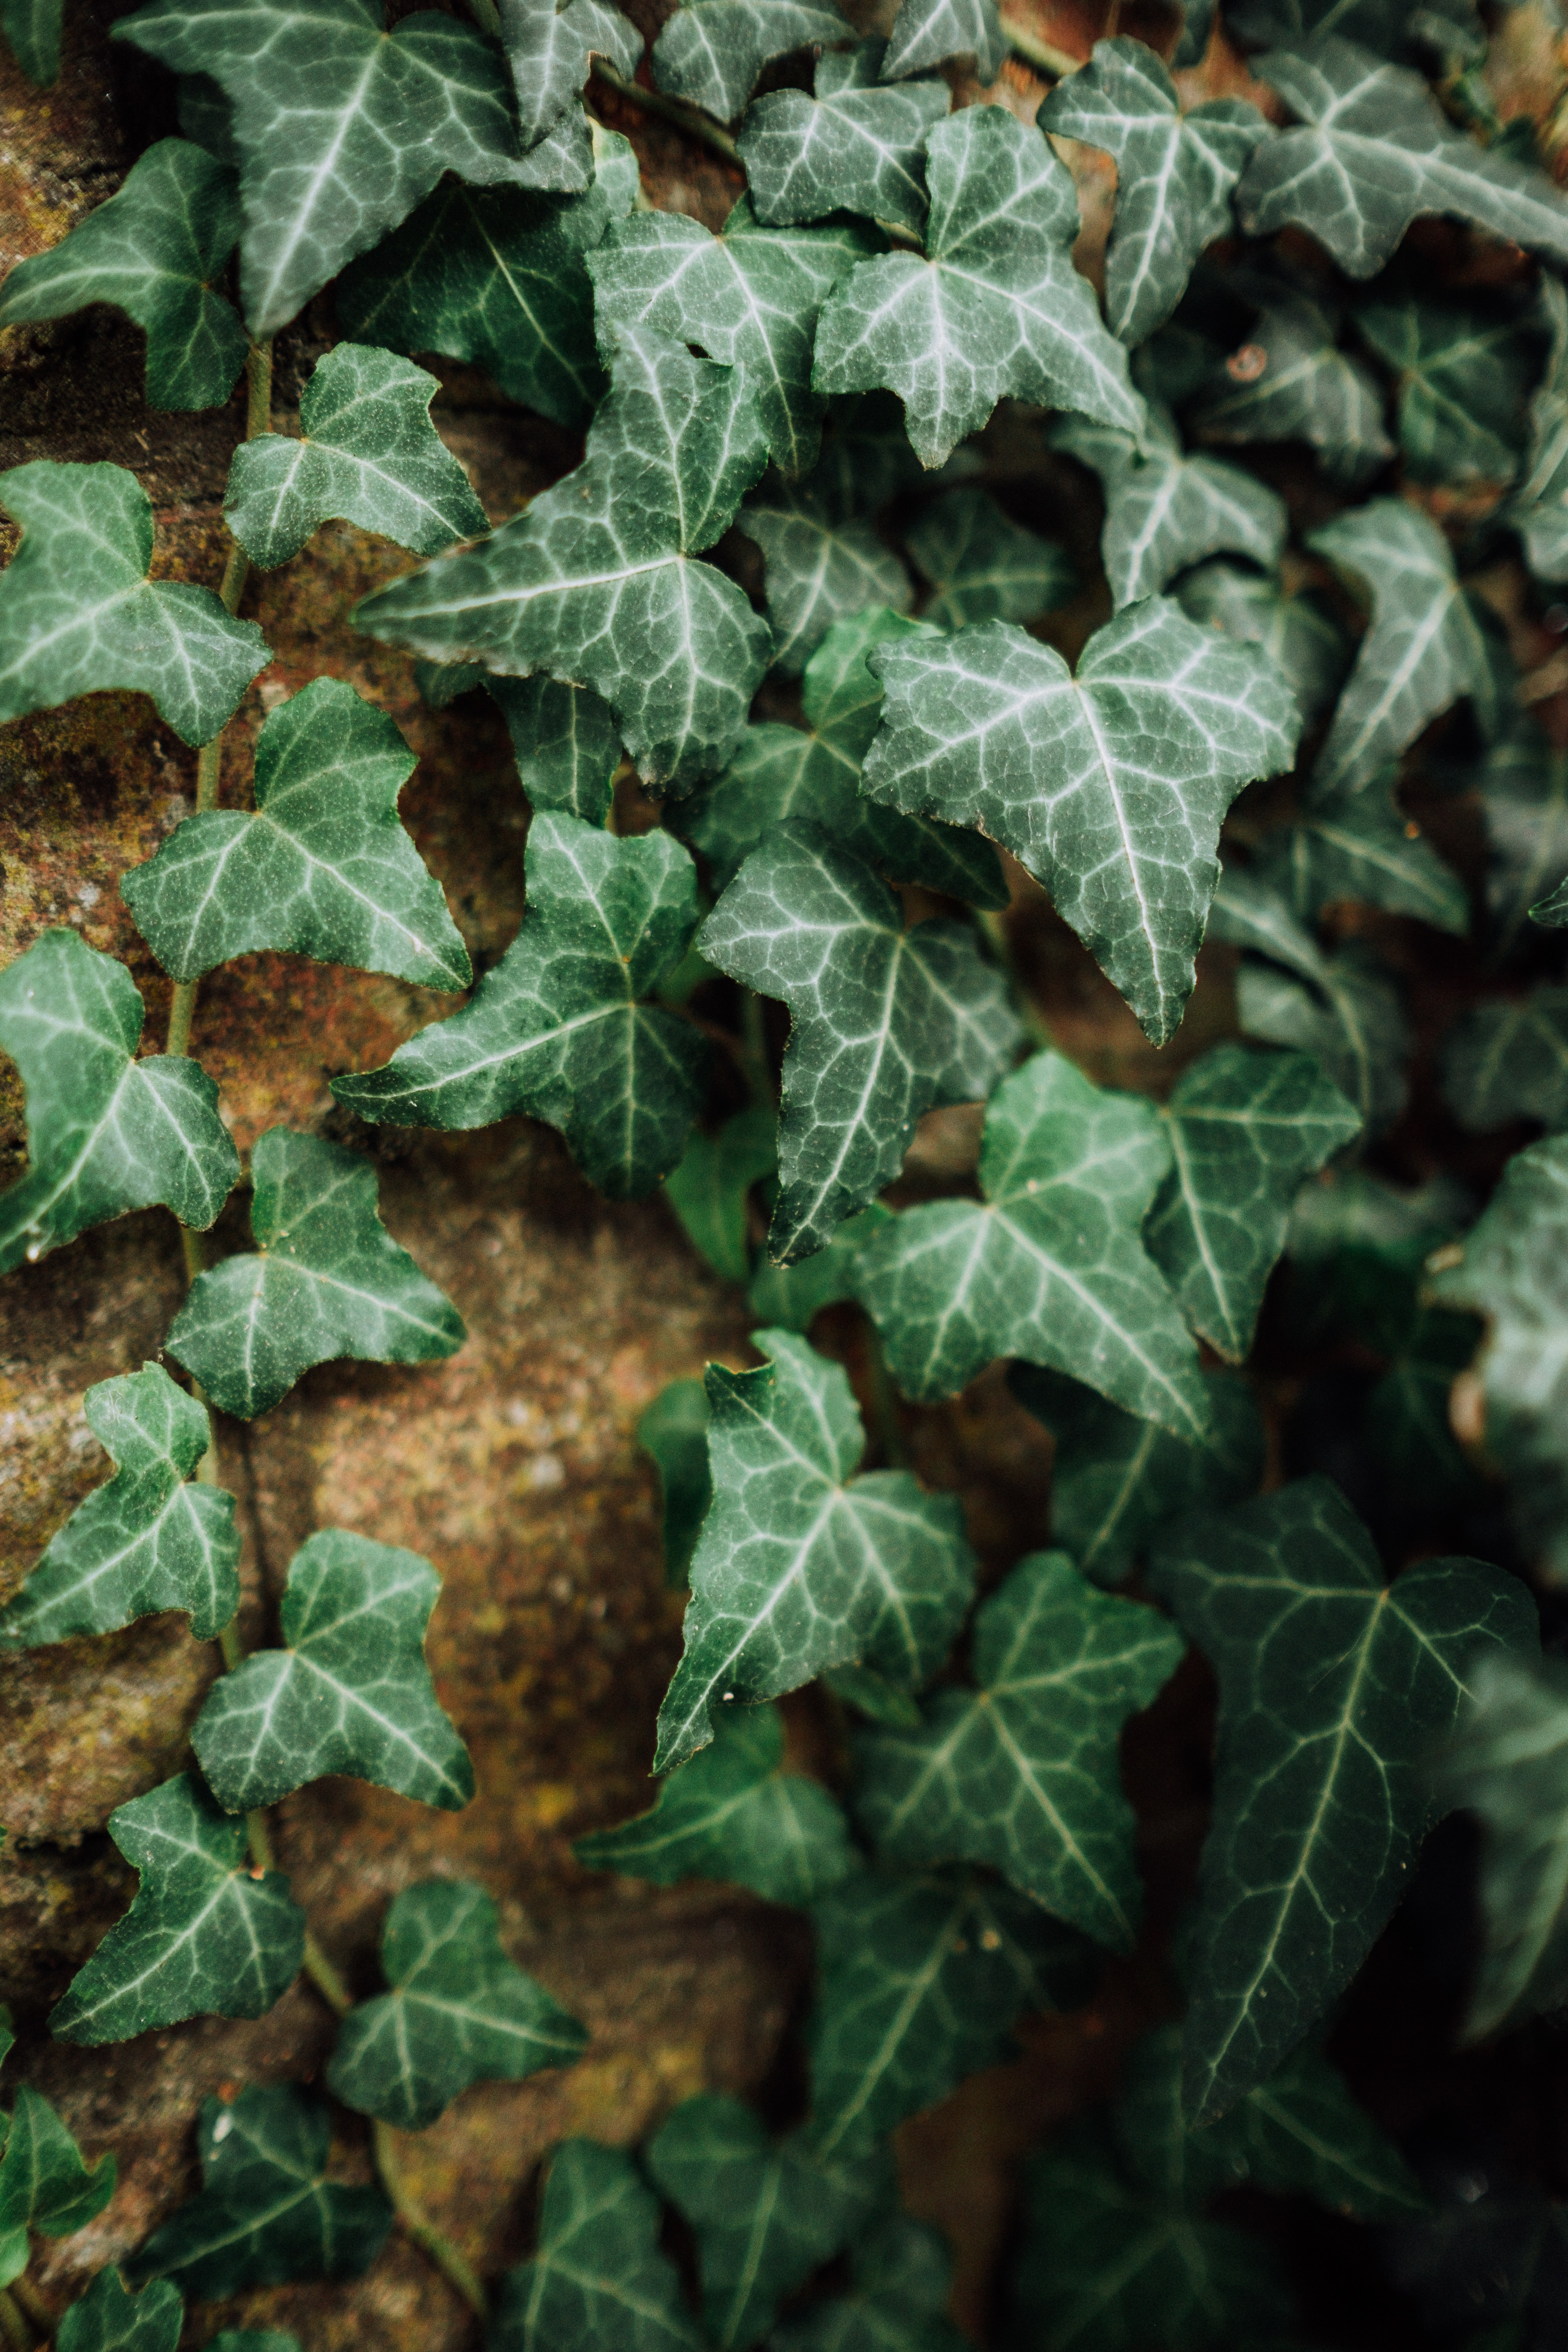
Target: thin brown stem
418, 2227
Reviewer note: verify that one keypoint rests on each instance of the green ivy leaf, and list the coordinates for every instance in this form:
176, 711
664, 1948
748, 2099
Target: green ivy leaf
1360, 1246
203, 1937
549, 49
751, 295
327, 1280
146, 1541
108, 2319
1049, 1266
561, 1028
152, 250
1174, 174
711, 51
1246, 1130
1373, 150
44, 2184
991, 729
765, 2214
253, 2340
1362, 846
266, 2211
710, 1190
1463, 374
567, 744
458, 2013
885, 1021
1523, 784
803, 1564
499, 276
349, 1691
340, 127
1116, 1480
1508, 1059
1306, 389
1334, 1687
902, 2274
856, 146
1164, 512
1298, 633
734, 1813
106, 1133
1539, 508
928, 32
921, 1980
599, 2280
1022, 1772
323, 867
674, 1430
824, 563
794, 1295
596, 579
983, 566
78, 614
33, 29
813, 775
995, 306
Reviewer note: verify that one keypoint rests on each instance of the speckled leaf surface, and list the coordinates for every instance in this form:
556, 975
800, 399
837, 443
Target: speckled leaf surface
600, 2281
1165, 511
857, 145
711, 51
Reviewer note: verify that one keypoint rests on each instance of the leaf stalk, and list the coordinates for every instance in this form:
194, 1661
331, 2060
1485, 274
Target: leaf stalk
13, 2325
418, 2227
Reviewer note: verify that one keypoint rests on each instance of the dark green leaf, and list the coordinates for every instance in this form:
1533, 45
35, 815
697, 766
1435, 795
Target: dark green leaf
1463, 374
106, 1133
1334, 1690
33, 29
149, 1539
928, 32
599, 2280
1297, 632
825, 564
674, 1430
710, 1190
872, 1696
1305, 389
1361, 1244
44, 2184
202, 1938
549, 48
1164, 512
1423, 1474
327, 1280
983, 566
107, 2319
349, 1691
153, 251
1539, 505
794, 1295
902, 2278
567, 744
711, 51
1523, 784
1362, 846
1508, 1059
855, 147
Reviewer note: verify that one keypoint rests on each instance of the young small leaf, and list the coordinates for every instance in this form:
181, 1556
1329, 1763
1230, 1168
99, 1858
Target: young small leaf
995, 306
1362, 846
595, 581
1298, 633
106, 1133
561, 1028
1334, 1688
1290, 381
711, 51
1164, 512
349, 1691
902, 2274
323, 867
674, 1430
78, 614
734, 1813
885, 1021
928, 32
327, 1280
458, 2013
824, 563
1523, 783
153, 251
550, 48
1049, 1266
1174, 174
1539, 508
599, 2280
709, 1192
147, 1541
1463, 374
44, 2184
1022, 1772
108, 2319
267, 2211
858, 146
1508, 1059
983, 566
204, 1936
803, 1564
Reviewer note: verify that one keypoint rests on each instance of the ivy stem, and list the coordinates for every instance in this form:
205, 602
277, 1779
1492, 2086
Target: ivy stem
689, 119
13, 2325
1025, 44
418, 2227
33, 2304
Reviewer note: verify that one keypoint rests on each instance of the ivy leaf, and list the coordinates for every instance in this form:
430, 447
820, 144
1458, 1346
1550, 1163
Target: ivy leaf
368, 455
1463, 374
108, 2319
44, 2184
991, 729
765, 2215
499, 276
735, 1813
983, 566
550, 48
152, 250
567, 744
146, 1541
106, 1133
599, 2280
794, 1295
1298, 633
902, 2274
202, 1936
1198, 26
1509, 1269
1049, 1266
1246, 1130
921, 1980
885, 1021
595, 581
1508, 1059
266, 2211
813, 775
1373, 150
350, 1691
321, 869
1539, 508
340, 127
1362, 846
1022, 1772
33, 30
327, 1280
1523, 783
674, 1430
1174, 174
1164, 512
458, 2013
560, 1028
801, 1565
856, 146
928, 32
1334, 1690
1306, 389
709, 1192
711, 51
1116, 1480
78, 614
824, 564
995, 306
